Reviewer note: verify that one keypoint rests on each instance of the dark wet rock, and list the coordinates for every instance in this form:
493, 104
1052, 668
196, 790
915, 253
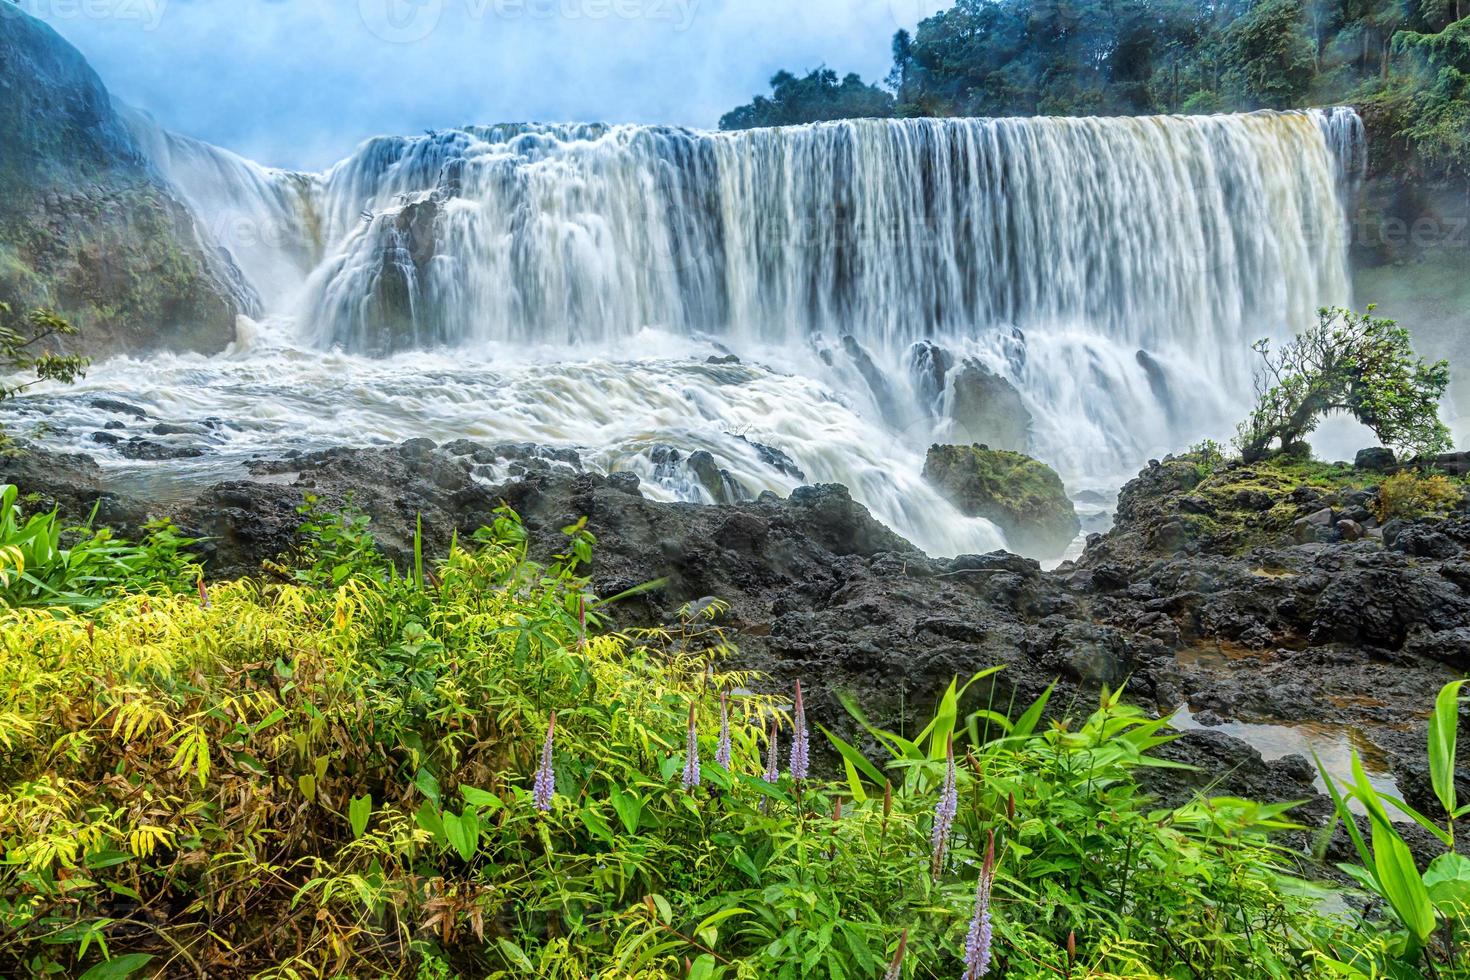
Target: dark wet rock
118, 407
1378, 459
987, 409
929, 367
777, 459
1023, 496
146, 449
106, 438
179, 429
722, 359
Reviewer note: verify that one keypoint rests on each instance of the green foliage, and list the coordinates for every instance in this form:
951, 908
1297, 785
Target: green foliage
1120, 57
1348, 362
44, 564
816, 97
332, 777
1411, 495
21, 352
1272, 54
1430, 909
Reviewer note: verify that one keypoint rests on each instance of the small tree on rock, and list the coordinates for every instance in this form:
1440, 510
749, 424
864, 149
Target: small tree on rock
1347, 362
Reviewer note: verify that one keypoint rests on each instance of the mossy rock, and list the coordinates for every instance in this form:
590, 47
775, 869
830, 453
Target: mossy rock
1021, 495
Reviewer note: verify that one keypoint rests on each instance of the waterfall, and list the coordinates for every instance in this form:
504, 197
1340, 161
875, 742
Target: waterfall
1107, 275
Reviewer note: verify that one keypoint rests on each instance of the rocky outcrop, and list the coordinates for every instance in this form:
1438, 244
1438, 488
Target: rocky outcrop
1021, 495
987, 409
86, 224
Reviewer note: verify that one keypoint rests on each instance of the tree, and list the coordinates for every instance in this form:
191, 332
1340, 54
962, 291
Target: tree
1348, 362
1273, 55
817, 97
20, 352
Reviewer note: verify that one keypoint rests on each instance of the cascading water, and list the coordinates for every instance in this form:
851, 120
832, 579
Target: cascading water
1113, 271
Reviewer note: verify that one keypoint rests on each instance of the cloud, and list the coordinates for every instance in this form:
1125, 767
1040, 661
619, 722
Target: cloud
299, 82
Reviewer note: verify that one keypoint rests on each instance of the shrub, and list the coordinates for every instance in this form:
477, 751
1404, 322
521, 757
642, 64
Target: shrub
1410, 495
19, 353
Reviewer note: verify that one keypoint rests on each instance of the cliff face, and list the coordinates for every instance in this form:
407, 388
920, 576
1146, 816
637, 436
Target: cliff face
87, 226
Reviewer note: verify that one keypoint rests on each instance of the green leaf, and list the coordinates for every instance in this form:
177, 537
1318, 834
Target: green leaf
429, 818
1447, 879
853, 759
629, 807
703, 968
118, 967
1028, 721
1402, 886
1443, 724
358, 811
463, 832
428, 784
516, 956
480, 798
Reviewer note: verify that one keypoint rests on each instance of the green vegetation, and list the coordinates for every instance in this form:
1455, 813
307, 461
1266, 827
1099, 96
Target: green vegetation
20, 352
1348, 362
1024, 496
816, 97
1405, 62
1409, 495
1431, 908
457, 772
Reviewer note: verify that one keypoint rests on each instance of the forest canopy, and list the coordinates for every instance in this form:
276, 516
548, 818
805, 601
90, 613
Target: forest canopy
1405, 63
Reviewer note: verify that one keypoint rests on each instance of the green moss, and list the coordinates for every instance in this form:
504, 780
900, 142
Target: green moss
1024, 496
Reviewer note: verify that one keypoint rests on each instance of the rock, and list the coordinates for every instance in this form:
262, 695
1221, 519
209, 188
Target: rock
1455, 464
140, 448
105, 438
88, 226
929, 366
1350, 530
718, 483
1377, 459
118, 407
776, 459
723, 359
874, 377
625, 483
987, 409
1024, 497
179, 429
1423, 542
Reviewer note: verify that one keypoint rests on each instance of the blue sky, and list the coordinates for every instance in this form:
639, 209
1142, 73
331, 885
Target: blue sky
300, 82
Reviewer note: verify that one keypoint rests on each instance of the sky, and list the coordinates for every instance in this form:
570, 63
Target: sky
299, 83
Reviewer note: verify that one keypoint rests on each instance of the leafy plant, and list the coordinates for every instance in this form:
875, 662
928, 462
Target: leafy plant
1430, 908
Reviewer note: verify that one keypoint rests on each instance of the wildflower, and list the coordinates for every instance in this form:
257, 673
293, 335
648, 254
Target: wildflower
722, 751
773, 765
836, 821
546, 779
887, 804
800, 750
895, 968
944, 810
691, 757
977, 943
203, 593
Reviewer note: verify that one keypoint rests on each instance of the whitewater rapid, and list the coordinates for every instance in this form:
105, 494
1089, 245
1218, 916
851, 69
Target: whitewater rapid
565, 285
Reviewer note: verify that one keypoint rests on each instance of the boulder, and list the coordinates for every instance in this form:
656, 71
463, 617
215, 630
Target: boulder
1021, 495
987, 409
1378, 459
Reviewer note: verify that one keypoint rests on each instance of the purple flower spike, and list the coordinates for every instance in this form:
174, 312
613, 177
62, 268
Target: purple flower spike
545, 777
722, 752
773, 765
895, 968
800, 751
977, 943
691, 757
944, 810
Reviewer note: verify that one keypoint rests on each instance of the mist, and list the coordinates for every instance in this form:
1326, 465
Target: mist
299, 84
